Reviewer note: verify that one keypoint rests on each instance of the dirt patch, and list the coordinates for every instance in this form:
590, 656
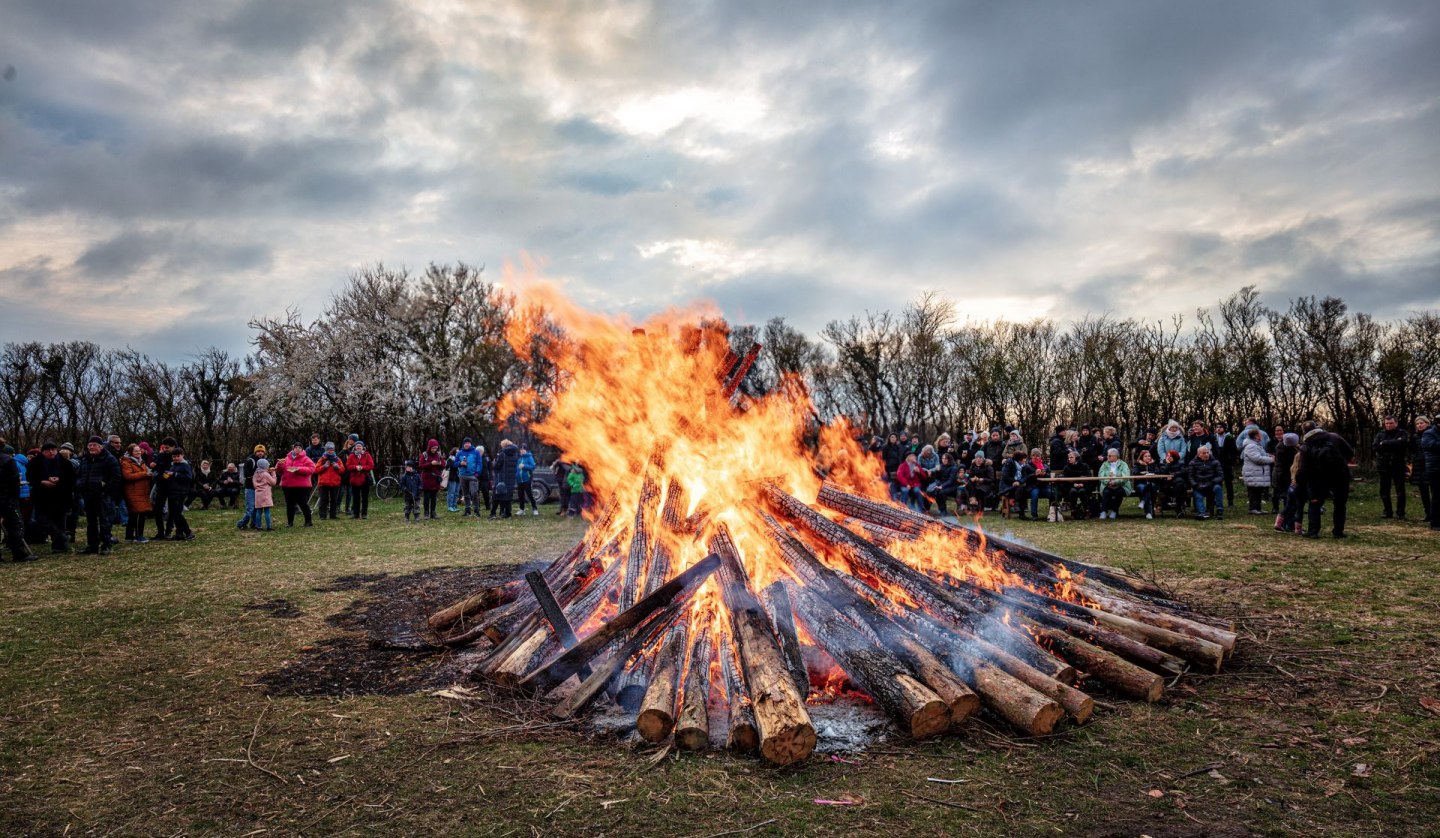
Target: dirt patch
1131, 828
279, 608
386, 648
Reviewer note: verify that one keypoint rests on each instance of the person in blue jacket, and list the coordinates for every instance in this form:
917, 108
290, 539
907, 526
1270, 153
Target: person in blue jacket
468, 465
525, 470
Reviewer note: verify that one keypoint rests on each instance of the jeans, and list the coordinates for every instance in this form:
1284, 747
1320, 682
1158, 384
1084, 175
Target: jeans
1216, 493
412, 504
469, 488
452, 495
262, 512
1397, 480
911, 497
1146, 492
122, 513
1294, 508
1111, 497
248, 519
178, 523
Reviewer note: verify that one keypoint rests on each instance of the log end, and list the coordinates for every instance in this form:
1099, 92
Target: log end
1046, 717
1080, 708
963, 707
1153, 690
654, 725
790, 744
692, 739
929, 719
744, 738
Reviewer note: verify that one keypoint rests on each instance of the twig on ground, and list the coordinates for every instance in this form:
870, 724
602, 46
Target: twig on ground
750, 828
939, 802
249, 746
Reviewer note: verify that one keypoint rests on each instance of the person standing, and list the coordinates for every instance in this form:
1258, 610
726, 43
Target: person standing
507, 464
14, 531
295, 472
524, 471
1391, 448
575, 479
137, 494
162, 500
358, 466
1430, 449
315, 450
1325, 473
329, 475
411, 487
452, 481
262, 493
179, 484
467, 464
52, 490
562, 471
247, 481
96, 482
1419, 474
431, 468
346, 449
1227, 451
1256, 470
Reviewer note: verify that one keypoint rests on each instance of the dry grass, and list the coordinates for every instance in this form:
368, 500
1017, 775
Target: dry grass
129, 705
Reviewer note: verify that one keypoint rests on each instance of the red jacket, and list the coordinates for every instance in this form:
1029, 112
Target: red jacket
329, 472
910, 476
359, 468
432, 465
300, 477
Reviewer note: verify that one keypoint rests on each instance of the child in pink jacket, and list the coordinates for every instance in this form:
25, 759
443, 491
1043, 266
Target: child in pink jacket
264, 492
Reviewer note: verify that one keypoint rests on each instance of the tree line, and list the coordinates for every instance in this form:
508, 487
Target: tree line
398, 357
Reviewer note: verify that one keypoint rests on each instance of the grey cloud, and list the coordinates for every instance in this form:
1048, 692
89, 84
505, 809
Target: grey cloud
127, 253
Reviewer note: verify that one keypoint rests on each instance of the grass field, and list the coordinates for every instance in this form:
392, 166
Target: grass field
131, 703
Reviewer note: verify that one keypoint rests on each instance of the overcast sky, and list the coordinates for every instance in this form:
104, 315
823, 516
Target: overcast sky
170, 169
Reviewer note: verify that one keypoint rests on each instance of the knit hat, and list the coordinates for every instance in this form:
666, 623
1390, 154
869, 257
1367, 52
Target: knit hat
49, 445
259, 449
97, 440
1291, 439
434, 443
262, 463
354, 437
65, 446
329, 446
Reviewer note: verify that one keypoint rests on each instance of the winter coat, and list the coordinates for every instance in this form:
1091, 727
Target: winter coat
9, 480
432, 468
329, 472
1194, 442
1227, 451
264, 483
1013, 472
22, 463
1324, 459
1166, 443
303, 467
893, 455
1179, 477
910, 475
1256, 465
1012, 446
1058, 452
1203, 474
994, 450
43, 468
507, 464
1390, 448
1418, 471
359, 468
247, 472
468, 463
1429, 446
99, 474
180, 480
1112, 444
575, 480
314, 452
137, 485
1280, 468
929, 463
1119, 468
944, 479
410, 484
982, 477
525, 467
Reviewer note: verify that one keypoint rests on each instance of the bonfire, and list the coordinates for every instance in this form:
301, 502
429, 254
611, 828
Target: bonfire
743, 561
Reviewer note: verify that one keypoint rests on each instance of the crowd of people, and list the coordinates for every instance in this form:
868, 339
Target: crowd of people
1090, 472
46, 493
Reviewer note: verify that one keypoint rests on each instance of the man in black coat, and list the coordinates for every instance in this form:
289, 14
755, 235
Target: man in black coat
178, 483
1227, 451
1325, 472
52, 491
1391, 448
96, 482
14, 531
1206, 479
1058, 449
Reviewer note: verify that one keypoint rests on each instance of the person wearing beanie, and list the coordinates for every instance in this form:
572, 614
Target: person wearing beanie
359, 466
468, 466
247, 481
295, 474
410, 487
431, 469
261, 497
524, 471
346, 449
329, 477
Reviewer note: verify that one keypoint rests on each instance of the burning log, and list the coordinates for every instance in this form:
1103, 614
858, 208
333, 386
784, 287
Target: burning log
786, 735
782, 620
743, 736
595, 683
569, 662
657, 712
692, 725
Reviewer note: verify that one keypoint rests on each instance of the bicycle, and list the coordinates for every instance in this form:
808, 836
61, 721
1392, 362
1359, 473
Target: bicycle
388, 487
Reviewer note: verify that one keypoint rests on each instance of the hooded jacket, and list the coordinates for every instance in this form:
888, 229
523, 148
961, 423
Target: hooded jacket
359, 467
1171, 439
137, 485
329, 470
1430, 450
264, 485
1255, 465
431, 466
1324, 459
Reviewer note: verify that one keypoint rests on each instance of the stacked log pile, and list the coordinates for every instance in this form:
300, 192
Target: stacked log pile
934, 622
